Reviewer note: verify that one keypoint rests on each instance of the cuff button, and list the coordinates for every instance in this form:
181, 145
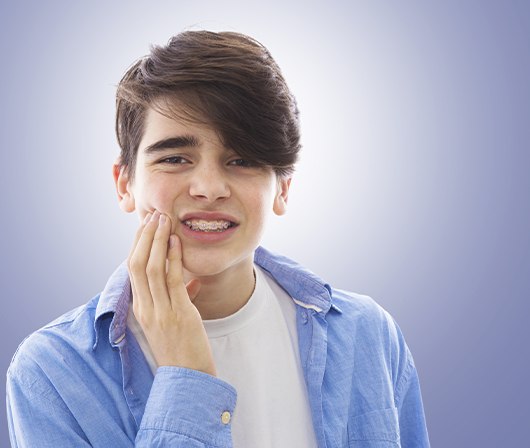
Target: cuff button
225, 417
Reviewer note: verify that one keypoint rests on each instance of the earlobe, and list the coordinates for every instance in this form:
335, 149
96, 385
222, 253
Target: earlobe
282, 195
123, 188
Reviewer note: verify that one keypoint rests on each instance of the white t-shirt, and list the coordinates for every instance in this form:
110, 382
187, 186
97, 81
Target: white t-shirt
256, 351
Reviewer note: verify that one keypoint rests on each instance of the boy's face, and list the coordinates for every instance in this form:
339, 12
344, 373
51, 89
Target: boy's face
184, 171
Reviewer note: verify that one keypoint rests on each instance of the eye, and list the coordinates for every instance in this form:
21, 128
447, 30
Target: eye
242, 162
175, 160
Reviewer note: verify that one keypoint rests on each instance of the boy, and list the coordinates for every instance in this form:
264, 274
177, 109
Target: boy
202, 338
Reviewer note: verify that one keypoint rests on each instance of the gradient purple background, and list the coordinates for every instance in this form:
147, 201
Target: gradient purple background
413, 187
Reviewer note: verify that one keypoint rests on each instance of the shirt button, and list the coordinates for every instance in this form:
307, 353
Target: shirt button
304, 317
225, 417
121, 338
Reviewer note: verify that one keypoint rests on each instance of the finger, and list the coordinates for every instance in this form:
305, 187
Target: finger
141, 252
138, 310
156, 266
131, 252
193, 287
175, 280
138, 261
139, 233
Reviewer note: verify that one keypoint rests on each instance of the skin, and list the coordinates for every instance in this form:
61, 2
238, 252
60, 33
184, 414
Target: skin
176, 286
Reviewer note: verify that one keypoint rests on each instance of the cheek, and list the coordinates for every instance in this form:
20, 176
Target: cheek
157, 195
261, 205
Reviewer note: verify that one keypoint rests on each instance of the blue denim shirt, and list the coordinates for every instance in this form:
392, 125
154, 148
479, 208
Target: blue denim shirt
82, 380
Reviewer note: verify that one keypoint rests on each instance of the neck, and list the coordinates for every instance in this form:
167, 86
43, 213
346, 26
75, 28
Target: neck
225, 293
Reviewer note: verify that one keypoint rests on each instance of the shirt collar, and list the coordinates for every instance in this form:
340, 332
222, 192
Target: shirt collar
306, 289
114, 302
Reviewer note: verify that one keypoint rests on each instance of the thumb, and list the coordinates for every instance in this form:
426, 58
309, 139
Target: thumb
193, 287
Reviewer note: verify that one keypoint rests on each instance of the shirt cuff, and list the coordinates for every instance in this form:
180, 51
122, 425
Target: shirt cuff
190, 403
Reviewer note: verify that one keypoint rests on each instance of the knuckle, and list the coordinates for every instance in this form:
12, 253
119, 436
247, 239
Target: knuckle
143, 318
171, 283
134, 265
166, 320
140, 317
171, 255
136, 309
138, 314
153, 270
144, 322
159, 234
174, 280
150, 270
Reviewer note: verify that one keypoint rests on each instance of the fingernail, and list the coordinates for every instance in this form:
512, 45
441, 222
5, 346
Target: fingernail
155, 216
162, 219
147, 218
172, 240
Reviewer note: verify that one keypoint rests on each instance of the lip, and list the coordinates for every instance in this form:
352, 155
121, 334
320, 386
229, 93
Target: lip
209, 216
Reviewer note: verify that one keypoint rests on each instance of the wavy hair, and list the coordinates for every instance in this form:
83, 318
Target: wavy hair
226, 80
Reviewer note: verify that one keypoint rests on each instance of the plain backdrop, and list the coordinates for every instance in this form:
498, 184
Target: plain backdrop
413, 185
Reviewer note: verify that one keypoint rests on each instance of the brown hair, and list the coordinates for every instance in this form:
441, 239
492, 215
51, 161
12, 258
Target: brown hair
226, 80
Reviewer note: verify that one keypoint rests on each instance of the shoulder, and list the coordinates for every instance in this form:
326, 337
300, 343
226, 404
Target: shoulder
367, 319
362, 311
47, 348
372, 334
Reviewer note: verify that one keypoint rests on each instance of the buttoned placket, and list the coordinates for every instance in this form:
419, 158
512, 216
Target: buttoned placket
137, 381
312, 341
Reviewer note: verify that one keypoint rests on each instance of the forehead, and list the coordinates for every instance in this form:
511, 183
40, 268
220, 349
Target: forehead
161, 130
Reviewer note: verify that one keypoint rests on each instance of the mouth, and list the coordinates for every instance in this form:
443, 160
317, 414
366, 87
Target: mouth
209, 226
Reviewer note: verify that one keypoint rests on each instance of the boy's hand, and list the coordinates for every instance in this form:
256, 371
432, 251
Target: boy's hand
161, 302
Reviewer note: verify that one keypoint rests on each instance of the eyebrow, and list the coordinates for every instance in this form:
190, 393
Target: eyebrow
181, 141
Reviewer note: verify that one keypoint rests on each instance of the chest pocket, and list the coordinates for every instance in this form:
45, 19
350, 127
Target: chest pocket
376, 429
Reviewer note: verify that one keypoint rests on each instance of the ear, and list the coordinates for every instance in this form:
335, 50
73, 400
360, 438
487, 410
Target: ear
123, 187
282, 194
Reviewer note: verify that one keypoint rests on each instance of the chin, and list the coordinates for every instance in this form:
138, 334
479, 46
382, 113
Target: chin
210, 261
196, 268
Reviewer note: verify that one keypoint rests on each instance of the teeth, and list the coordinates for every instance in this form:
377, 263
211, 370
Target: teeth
208, 226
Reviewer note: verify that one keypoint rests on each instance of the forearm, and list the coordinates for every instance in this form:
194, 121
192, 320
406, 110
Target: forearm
189, 407
185, 409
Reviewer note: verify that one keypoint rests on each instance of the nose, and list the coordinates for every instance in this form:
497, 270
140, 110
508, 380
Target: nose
208, 183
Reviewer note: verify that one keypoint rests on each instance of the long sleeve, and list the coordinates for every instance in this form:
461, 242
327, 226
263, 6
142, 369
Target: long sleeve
38, 417
185, 408
408, 400
412, 424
